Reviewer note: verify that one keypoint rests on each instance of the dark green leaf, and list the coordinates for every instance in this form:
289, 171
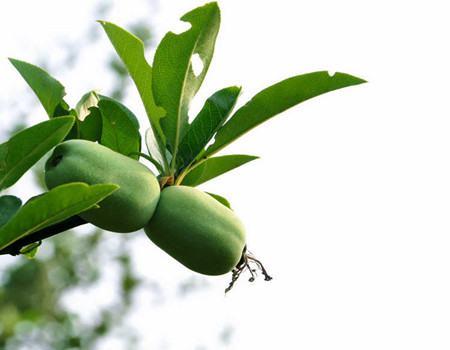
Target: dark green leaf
91, 126
131, 51
48, 90
24, 149
8, 207
174, 80
52, 207
213, 167
216, 110
220, 199
276, 99
120, 131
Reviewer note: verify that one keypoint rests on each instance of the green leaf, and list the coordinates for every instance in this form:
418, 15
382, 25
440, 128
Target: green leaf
31, 250
120, 130
132, 52
24, 149
216, 110
88, 100
276, 99
52, 207
9, 205
91, 126
213, 167
220, 199
174, 80
153, 148
48, 90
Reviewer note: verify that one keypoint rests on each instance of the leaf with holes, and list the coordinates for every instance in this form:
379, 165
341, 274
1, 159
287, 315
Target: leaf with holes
9, 205
212, 116
132, 53
174, 80
49, 91
213, 167
120, 128
52, 207
25, 148
276, 99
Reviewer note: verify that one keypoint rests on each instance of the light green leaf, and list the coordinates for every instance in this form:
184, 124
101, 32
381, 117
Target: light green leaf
24, 149
52, 207
174, 80
213, 167
88, 100
220, 199
120, 131
9, 205
132, 52
216, 110
31, 250
153, 148
276, 99
49, 91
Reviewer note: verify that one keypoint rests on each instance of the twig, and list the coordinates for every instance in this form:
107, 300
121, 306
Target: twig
14, 248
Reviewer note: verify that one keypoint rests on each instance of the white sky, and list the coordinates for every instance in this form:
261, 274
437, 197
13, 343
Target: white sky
349, 205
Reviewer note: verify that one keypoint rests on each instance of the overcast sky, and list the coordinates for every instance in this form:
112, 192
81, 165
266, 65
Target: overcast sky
348, 206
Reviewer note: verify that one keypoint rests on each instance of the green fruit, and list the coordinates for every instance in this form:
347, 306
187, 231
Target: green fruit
126, 210
197, 230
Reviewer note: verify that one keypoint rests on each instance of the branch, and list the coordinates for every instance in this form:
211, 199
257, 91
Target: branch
14, 248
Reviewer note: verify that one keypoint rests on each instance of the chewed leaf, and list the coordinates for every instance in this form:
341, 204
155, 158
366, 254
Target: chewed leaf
276, 99
9, 205
49, 91
89, 100
213, 167
25, 148
174, 80
216, 110
52, 207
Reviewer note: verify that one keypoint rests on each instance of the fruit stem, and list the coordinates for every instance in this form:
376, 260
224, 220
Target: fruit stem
14, 248
245, 264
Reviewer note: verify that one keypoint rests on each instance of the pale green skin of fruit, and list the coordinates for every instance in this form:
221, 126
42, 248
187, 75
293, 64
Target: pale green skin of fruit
126, 210
197, 230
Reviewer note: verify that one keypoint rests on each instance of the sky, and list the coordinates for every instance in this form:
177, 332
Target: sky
348, 205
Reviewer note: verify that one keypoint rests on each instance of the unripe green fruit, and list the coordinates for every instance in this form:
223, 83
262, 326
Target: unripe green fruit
126, 210
197, 230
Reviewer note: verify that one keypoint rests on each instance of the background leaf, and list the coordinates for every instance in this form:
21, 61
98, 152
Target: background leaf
276, 99
48, 90
174, 81
120, 128
8, 207
132, 52
24, 149
220, 199
213, 167
52, 207
216, 110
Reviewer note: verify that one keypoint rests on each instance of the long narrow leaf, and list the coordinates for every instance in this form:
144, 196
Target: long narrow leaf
24, 149
132, 52
174, 81
52, 207
276, 99
49, 91
216, 110
220, 199
213, 167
